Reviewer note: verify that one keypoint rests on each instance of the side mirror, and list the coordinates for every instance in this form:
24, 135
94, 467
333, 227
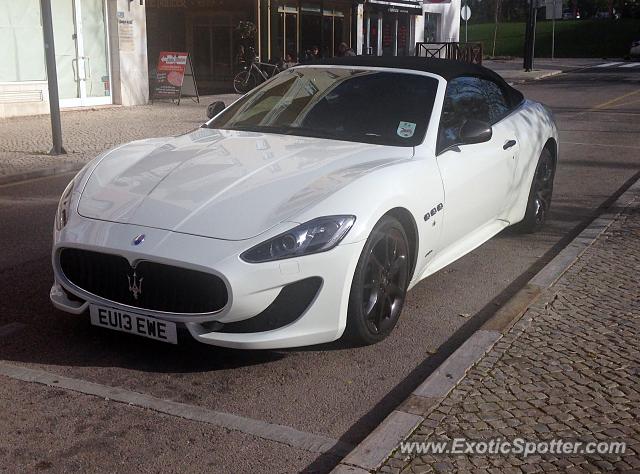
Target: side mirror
475, 131
214, 108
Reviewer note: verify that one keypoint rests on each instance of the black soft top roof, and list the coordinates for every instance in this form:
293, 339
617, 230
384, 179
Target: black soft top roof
446, 68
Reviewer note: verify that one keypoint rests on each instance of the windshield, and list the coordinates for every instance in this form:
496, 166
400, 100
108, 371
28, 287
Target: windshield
386, 108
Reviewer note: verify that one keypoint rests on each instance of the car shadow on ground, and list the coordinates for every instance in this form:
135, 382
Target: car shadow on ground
53, 337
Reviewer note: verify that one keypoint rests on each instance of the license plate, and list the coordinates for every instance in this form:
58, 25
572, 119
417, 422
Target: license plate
133, 323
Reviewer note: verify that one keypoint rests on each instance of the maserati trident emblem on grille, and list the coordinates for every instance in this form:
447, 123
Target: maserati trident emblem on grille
135, 285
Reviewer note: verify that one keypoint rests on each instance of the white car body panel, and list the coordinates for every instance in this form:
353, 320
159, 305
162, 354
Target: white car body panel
203, 198
199, 183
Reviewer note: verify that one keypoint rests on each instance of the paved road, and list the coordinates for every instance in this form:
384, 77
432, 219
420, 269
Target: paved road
333, 391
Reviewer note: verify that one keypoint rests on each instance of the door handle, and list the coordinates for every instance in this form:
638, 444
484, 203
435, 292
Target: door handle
76, 74
87, 67
508, 144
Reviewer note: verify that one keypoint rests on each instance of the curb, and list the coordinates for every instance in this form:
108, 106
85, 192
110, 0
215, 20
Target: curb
40, 173
374, 450
545, 75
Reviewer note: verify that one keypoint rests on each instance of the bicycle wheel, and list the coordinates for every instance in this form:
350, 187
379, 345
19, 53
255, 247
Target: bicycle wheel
244, 82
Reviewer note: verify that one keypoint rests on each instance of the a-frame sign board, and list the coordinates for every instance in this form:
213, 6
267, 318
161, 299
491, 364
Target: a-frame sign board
175, 78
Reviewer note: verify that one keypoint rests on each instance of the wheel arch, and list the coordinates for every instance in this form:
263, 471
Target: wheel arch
552, 146
407, 221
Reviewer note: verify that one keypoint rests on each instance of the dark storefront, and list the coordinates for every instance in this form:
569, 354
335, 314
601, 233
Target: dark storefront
204, 28
294, 27
208, 30
388, 27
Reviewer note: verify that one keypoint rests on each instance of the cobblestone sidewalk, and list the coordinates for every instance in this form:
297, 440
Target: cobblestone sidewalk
569, 369
26, 141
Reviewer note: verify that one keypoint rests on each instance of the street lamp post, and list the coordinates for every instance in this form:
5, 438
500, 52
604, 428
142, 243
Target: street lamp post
529, 38
553, 31
52, 78
466, 24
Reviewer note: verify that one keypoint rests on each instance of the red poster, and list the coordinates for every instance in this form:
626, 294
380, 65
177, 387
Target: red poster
170, 74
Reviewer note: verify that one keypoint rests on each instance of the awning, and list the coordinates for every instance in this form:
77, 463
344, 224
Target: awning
412, 7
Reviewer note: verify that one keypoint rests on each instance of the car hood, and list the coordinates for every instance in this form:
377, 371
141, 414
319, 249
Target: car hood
224, 184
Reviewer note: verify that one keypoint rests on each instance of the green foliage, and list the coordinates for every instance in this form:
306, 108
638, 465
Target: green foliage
574, 38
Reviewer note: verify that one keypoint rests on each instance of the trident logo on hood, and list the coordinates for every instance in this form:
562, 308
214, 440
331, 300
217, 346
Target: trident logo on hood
135, 285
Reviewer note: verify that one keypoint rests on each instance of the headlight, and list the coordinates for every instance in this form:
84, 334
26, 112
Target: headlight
62, 215
317, 235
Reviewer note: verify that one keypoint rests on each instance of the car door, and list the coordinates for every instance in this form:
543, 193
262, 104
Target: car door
477, 178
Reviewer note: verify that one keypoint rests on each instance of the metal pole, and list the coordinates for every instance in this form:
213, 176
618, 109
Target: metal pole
52, 78
553, 31
529, 37
533, 34
466, 24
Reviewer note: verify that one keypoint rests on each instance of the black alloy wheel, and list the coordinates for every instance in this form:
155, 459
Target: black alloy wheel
379, 284
540, 194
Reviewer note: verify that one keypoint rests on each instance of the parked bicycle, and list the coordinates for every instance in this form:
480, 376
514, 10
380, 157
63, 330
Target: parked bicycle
254, 74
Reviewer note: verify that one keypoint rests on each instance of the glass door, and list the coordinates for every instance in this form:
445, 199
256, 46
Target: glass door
389, 35
95, 86
82, 55
66, 45
372, 34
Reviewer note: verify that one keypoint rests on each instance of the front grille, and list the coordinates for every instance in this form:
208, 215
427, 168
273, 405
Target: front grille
162, 287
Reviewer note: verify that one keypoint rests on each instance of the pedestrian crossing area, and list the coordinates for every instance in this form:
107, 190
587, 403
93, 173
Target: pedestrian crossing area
617, 64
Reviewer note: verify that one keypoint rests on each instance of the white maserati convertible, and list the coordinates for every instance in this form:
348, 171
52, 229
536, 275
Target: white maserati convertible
308, 208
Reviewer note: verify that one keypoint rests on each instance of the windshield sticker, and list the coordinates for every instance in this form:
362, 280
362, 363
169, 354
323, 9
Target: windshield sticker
406, 129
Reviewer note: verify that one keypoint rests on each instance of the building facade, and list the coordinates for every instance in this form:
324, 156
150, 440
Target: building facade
283, 30
101, 54
107, 50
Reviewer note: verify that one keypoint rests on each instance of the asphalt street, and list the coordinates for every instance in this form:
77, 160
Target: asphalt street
333, 390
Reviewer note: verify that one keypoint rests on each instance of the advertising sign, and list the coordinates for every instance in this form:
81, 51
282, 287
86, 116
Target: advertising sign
174, 77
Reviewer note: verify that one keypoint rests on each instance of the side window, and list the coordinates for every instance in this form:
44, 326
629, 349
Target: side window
498, 105
469, 98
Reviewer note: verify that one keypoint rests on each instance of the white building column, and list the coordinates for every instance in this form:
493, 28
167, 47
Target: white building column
128, 51
359, 28
417, 33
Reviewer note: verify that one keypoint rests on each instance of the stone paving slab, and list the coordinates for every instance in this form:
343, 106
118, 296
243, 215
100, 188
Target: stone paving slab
569, 369
26, 141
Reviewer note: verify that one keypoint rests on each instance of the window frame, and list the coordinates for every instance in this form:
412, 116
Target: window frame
511, 107
420, 138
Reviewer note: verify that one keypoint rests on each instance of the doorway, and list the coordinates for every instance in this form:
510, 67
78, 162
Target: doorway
431, 27
213, 56
82, 52
386, 32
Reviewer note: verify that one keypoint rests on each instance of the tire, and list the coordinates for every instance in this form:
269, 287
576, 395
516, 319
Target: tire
379, 284
540, 195
244, 81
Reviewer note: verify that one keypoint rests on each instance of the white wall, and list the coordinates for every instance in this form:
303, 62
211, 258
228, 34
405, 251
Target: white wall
23, 98
128, 44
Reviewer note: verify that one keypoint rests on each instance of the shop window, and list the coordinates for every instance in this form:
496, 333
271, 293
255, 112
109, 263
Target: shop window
22, 51
284, 31
310, 28
334, 31
296, 31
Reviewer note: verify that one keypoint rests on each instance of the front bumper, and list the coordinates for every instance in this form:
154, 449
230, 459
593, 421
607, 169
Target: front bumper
252, 288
